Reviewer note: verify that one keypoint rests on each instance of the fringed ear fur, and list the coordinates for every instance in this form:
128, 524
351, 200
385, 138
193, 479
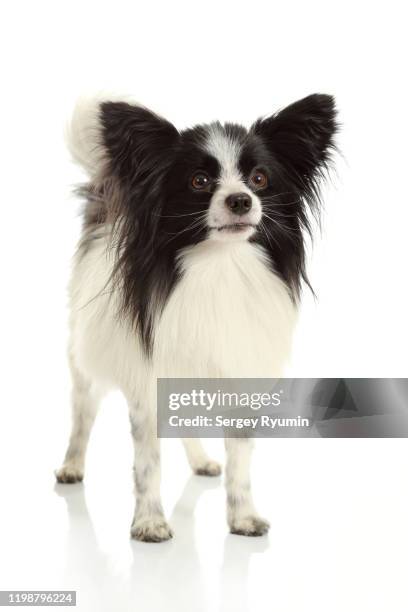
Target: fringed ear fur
301, 138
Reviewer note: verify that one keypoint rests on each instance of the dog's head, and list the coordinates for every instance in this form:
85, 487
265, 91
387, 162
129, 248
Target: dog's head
222, 182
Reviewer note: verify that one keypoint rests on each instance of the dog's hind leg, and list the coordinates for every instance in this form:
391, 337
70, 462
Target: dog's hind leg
85, 403
198, 459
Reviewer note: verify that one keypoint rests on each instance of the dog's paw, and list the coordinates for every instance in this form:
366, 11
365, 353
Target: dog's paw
209, 468
151, 530
249, 526
68, 474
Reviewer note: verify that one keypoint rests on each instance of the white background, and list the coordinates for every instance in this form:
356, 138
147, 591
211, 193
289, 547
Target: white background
338, 508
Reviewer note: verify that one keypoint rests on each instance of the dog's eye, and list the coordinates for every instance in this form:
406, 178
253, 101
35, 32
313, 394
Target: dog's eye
200, 181
258, 179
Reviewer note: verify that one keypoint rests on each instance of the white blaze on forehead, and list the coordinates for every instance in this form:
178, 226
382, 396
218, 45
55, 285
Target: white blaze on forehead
226, 151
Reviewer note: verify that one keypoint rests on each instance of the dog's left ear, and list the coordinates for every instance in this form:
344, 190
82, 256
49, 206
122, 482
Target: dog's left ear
301, 138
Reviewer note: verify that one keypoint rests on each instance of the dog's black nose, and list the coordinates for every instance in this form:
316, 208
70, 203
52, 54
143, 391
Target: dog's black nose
239, 203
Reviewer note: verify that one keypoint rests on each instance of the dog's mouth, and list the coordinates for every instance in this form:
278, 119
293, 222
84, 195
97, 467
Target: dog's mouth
234, 227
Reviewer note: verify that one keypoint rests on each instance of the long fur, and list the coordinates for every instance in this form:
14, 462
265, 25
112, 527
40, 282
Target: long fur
170, 280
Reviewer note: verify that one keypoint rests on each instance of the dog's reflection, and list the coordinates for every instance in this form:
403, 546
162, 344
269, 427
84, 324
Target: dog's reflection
162, 576
170, 574
234, 573
87, 570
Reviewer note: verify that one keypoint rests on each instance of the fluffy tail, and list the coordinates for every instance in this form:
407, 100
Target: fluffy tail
118, 135
84, 135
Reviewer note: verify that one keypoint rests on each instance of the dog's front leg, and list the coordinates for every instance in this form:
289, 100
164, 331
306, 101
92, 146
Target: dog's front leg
241, 514
149, 523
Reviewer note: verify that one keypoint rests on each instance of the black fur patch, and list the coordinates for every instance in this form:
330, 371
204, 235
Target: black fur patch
300, 142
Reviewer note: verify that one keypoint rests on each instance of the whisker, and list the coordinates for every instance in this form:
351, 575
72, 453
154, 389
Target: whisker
286, 230
276, 195
191, 226
277, 204
200, 212
265, 230
196, 224
278, 213
277, 222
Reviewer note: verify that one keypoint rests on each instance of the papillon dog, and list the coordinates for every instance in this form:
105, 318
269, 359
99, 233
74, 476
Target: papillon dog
190, 264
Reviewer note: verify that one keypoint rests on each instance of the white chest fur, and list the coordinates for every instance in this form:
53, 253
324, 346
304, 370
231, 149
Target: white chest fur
228, 316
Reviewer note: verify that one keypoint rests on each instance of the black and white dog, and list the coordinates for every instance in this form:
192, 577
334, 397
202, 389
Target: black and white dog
190, 264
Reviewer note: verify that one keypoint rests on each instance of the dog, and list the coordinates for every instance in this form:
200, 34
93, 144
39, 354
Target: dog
190, 264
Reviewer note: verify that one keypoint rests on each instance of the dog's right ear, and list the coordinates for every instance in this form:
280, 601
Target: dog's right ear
137, 141
120, 139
